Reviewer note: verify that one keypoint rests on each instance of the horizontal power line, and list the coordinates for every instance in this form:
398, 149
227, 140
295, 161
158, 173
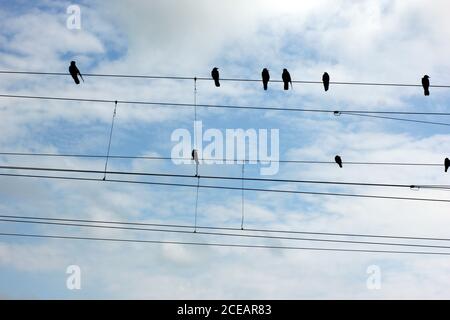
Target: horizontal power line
193, 78
215, 244
208, 177
357, 113
185, 226
227, 188
223, 234
72, 155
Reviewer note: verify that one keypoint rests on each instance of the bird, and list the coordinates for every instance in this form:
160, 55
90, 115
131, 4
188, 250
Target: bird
338, 161
286, 79
74, 72
426, 85
265, 77
195, 155
326, 81
215, 76
195, 158
447, 164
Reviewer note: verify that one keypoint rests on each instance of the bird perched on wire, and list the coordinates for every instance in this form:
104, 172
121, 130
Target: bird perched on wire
446, 164
265, 77
326, 81
426, 85
195, 158
215, 76
286, 76
338, 161
74, 72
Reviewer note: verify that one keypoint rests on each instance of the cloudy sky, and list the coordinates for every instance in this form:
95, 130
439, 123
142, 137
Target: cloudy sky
365, 41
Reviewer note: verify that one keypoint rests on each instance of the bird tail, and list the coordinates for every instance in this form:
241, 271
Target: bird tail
286, 86
326, 86
77, 81
265, 85
427, 92
217, 83
340, 165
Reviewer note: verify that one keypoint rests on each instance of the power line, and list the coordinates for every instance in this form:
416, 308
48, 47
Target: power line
155, 77
243, 235
176, 104
229, 188
72, 155
173, 175
181, 226
61, 237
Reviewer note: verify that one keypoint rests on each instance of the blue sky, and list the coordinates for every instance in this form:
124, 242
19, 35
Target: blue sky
377, 41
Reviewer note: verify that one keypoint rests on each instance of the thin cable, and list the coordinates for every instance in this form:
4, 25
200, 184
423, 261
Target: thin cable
242, 201
223, 160
223, 234
222, 79
359, 235
60, 237
110, 138
396, 118
196, 202
174, 175
195, 113
229, 188
174, 104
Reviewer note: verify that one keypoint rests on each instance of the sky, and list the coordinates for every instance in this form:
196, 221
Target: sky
360, 41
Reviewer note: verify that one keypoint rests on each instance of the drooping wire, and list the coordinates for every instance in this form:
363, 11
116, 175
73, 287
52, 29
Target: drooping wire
110, 138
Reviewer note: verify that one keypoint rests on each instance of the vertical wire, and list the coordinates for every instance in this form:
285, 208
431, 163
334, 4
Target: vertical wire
196, 204
242, 201
195, 112
195, 147
110, 137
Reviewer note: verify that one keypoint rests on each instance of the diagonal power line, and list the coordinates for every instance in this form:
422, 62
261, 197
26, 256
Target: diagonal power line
357, 113
335, 194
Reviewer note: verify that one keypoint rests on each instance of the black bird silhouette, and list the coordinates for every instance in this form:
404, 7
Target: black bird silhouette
326, 81
215, 76
265, 77
338, 161
447, 164
74, 72
286, 79
426, 85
